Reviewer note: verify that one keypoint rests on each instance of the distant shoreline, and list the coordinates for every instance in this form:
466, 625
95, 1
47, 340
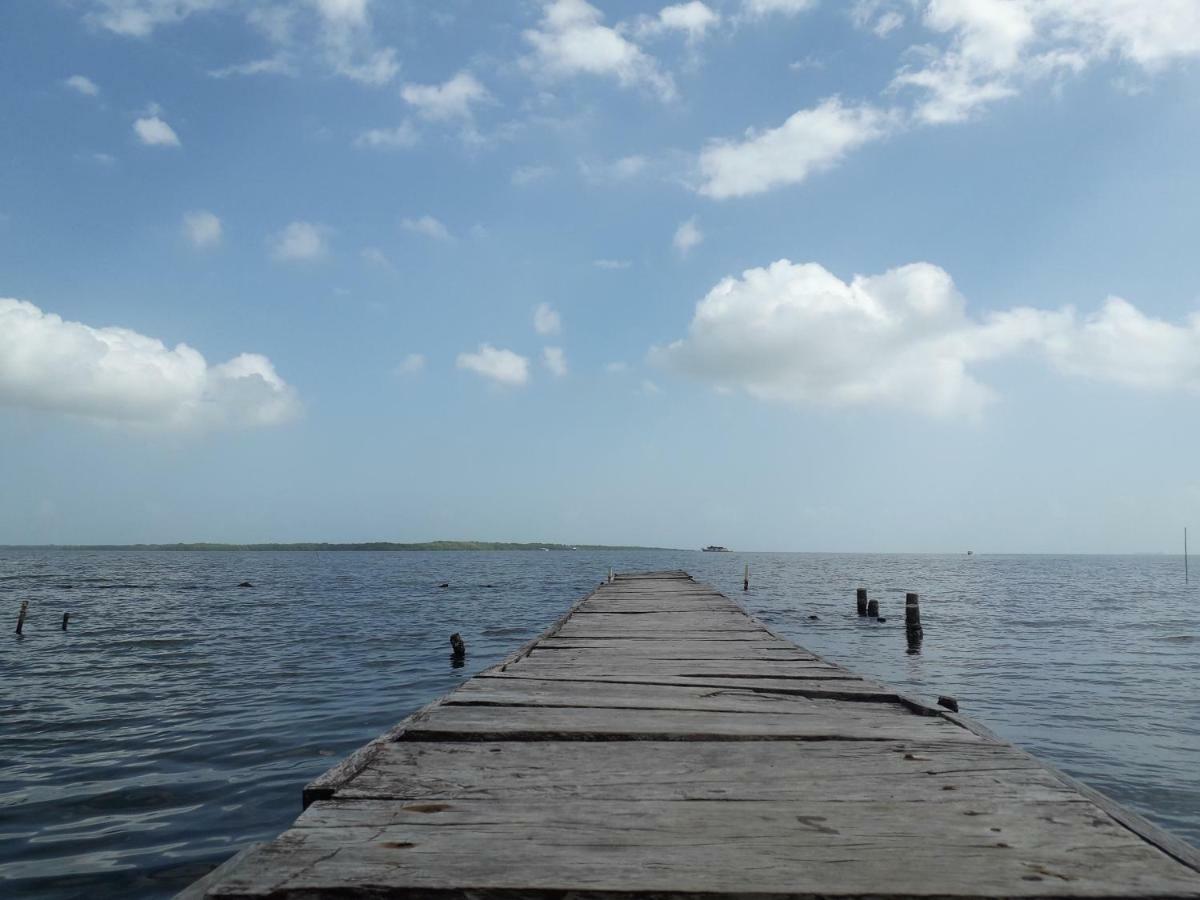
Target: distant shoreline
332, 547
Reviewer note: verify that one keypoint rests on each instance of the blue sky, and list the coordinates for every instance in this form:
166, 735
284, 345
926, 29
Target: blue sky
908, 275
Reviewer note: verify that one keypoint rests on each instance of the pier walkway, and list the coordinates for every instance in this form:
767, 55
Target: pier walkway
658, 741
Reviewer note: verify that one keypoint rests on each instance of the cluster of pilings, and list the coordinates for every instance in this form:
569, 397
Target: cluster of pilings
912, 616
24, 614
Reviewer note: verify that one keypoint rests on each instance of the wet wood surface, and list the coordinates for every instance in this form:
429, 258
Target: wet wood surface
659, 742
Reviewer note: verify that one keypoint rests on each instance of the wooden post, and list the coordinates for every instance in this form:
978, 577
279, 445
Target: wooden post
21, 615
862, 601
1185, 560
873, 609
66, 618
912, 619
458, 646
610, 575
746, 579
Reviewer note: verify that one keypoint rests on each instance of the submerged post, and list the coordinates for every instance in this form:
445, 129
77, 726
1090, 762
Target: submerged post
66, 618
861, 594
873, 609
746, 579
21, 615
912, 620
457, 646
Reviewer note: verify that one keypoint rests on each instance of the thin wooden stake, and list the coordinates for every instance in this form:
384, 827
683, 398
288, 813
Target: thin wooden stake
861, 596
21, 615
746, 579
66, 618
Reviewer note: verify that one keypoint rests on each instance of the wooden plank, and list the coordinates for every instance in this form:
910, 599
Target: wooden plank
532, 723
845, 688
846, 771
567, 663
700, 847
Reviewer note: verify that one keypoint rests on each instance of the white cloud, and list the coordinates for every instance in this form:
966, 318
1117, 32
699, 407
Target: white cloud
687, 236
997, 47
138, 18
571, 40
300, 241
694, 19
411, 364
272, 65
83, 85
809, 141
612, 264
887, 23
555, 360
349, 47
202, 228
453, 99
649, 388
616, 368
428, 226
402, 136
759, 8
117, 375
546, 319
501, 366
798, 334
527, 175
154, 132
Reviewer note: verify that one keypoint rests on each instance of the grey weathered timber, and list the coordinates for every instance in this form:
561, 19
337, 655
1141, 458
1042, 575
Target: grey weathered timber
659, 742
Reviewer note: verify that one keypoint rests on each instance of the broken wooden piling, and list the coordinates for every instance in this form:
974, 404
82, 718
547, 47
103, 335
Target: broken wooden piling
659, 742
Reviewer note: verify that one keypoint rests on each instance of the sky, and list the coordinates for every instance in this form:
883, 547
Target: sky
795, 275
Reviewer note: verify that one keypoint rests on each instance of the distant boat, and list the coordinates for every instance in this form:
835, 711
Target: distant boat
714, 548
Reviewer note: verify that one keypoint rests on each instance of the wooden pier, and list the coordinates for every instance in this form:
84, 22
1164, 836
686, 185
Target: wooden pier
659, 742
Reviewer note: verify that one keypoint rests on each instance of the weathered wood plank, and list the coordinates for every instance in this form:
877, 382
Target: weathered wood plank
845, 771
853, 688
531, 723
953, 849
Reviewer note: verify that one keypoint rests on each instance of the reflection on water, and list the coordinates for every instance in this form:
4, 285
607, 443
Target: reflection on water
179, 716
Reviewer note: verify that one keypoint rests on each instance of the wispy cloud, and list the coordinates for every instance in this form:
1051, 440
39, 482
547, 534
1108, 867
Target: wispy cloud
300, 241
202, 229
81, 84
428, 226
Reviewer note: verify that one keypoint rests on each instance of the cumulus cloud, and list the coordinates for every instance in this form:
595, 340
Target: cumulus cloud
555, 360
687, 236
202, 228
83, 85
809, 141
501, 366
546, 319
401, 137
117, 375
693, 19
571, 39
994, 48
797, 333
428, 226
453, 99
154, 132
299, 241
349, 47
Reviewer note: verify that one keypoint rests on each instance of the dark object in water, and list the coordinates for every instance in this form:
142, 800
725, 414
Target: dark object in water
813, 617
860, 595
66, 618
880, 619
457, 645
245, 584
444, 584
21, 616
949, 702
912, 619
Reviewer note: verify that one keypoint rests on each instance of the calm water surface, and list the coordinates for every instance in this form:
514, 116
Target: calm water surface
179, 717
